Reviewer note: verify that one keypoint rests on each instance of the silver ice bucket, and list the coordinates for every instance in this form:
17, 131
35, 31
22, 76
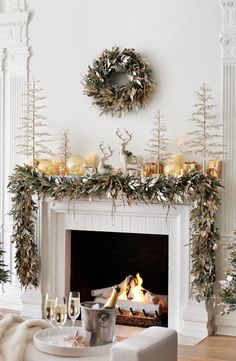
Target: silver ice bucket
101, 323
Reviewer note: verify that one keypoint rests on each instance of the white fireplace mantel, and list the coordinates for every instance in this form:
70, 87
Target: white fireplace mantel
57, 219
14, 56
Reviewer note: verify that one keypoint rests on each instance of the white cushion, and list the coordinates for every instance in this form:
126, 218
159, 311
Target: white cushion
152, 344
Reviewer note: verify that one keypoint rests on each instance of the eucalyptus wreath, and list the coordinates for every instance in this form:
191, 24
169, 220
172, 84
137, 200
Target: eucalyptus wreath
109, 96
203, 191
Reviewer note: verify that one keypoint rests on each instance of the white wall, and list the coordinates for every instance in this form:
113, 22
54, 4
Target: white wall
180, 38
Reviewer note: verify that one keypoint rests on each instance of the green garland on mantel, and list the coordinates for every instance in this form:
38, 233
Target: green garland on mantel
202, 190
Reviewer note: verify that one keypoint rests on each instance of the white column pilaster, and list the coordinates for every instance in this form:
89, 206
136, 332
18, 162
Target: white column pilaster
228, 209
13, 83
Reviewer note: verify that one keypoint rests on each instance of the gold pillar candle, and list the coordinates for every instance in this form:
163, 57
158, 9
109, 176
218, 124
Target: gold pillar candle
153, 168
56, 166
177, 170
169, 169
186, 167
63, 169
193, 166
189, 166
215, 168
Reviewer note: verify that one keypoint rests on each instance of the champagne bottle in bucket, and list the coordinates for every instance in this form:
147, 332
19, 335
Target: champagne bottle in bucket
100, 321
111, 302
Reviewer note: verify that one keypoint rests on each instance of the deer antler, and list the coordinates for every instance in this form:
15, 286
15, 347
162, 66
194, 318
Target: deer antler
119, 134
125, 140
103, 149
129, 135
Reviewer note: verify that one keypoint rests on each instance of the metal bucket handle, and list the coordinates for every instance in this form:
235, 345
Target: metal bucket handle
103, 319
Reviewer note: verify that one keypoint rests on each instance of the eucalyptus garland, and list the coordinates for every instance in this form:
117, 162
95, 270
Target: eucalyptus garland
202, 190
110, 96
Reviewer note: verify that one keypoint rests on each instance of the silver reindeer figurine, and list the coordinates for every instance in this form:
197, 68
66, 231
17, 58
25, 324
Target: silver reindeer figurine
127, 158
102, 166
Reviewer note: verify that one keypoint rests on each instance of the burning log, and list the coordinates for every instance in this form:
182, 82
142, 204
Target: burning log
134, 296
137, 307
106, 292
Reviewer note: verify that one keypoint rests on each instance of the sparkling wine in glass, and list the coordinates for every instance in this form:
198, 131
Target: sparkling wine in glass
60, 314
49, 307
74, 306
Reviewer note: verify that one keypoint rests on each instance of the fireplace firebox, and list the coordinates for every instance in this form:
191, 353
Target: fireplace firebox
102, 259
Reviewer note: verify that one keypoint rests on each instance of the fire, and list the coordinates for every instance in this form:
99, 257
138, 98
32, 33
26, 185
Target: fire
134, 290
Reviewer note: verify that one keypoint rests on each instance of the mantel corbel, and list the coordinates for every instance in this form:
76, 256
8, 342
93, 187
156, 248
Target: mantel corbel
228, 30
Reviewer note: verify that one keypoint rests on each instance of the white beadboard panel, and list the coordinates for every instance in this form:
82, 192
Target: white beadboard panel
157, 225
105, 222
134, 225
89, 222
150, 224
142, 224
96, 223
126, 224
118, 223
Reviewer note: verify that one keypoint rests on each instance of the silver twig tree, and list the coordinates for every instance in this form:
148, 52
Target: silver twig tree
158, 144
34, 138
204, 140
65, 147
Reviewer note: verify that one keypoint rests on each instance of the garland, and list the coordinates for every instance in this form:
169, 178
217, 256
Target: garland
117, 98
202, 190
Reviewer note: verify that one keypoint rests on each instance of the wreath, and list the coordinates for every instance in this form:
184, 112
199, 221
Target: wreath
107, 93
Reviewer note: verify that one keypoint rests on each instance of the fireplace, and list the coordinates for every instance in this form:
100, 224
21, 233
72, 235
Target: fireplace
102, 259
59, 220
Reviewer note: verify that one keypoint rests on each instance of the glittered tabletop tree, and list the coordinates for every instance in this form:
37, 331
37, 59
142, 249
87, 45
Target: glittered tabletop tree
204, 140
228, 286
65, 149
34, 137
158, 143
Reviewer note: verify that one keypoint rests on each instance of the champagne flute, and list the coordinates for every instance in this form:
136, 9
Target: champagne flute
49, 307
60, 312
74, 306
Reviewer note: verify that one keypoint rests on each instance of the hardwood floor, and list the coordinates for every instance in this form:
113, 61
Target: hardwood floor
213, 348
